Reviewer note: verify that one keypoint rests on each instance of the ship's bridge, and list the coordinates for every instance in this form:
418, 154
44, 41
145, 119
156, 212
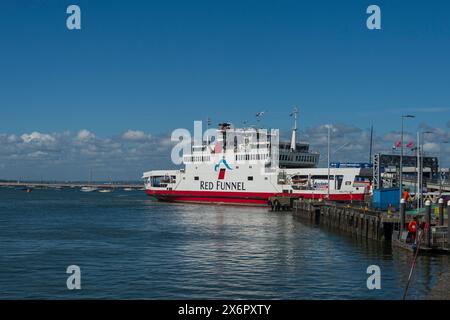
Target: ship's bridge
300, 157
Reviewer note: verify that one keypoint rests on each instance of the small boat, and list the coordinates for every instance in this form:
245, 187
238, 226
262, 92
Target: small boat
127, 189
88, 189
105, 190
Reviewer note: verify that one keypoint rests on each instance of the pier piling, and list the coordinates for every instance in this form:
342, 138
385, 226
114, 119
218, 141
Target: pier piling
448, 224
441, 211
402, 215
428, 221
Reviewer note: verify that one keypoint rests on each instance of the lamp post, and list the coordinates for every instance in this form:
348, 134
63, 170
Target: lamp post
440, 170
401, 156
328, 164
421, 154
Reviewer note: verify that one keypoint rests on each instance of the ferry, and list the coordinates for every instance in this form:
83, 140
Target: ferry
243, 166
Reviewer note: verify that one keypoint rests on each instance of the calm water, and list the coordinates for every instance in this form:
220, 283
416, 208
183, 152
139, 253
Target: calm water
130, 247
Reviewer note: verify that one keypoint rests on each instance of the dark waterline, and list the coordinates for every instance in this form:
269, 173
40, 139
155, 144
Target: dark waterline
130, 247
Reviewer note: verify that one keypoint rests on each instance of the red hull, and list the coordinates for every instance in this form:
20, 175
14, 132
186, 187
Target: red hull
241, 198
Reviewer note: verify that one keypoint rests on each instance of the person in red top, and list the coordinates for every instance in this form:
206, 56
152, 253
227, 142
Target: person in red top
406, 195
412, 229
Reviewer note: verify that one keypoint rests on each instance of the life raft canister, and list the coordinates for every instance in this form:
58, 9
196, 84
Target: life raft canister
412, 226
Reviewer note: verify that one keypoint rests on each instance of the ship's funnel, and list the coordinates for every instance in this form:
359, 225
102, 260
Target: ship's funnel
294, 129
293, 142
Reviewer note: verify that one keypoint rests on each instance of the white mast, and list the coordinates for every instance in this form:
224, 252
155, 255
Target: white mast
294, 130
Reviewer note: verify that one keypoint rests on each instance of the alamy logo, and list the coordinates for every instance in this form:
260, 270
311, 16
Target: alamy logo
74, 280
374, 280
237, 139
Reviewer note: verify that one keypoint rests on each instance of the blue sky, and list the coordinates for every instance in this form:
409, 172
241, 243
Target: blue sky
153, 66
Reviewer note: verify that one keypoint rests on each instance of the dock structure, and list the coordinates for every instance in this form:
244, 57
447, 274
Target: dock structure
364, 222
354, 219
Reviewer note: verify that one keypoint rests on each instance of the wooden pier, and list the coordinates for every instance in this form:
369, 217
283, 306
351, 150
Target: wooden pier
364, 222
354, 219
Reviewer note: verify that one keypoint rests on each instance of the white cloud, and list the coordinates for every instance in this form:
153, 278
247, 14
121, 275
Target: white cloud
135, 135
68, 155
431, 147
85, 135
36, 137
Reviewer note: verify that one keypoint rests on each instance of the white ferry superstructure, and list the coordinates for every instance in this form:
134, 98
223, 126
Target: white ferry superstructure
242, 171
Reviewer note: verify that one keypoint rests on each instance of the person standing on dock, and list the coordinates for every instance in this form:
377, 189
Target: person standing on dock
412, 229
406, 195
407, 198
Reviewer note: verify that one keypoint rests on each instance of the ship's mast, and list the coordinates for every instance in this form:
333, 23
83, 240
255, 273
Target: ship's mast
294, 130
208, 125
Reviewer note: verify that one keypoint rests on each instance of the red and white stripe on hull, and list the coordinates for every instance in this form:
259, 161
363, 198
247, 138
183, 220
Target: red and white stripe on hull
241, 198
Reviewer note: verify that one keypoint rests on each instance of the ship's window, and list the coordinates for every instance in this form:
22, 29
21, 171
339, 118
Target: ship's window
265, 178
195, 178
322, 177
347, 183
250, 178
339, 180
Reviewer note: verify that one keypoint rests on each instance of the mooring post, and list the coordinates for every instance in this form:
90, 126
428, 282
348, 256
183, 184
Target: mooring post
441, 211
428, 221
448, 223
402, 217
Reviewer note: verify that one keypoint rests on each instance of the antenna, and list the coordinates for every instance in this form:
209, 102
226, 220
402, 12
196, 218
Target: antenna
208, 125
258, 116
371, 143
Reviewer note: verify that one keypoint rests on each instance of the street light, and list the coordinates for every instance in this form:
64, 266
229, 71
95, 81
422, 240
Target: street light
328, 164
421, 154
401, 156
439, 163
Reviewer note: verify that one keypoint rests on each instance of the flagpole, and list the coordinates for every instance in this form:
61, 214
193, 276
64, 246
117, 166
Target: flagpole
401, 158
418, 172
371, 144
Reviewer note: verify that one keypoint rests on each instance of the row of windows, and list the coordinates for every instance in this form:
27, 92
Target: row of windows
249, 178
197, 159
285, 157
240, 157
237, 157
